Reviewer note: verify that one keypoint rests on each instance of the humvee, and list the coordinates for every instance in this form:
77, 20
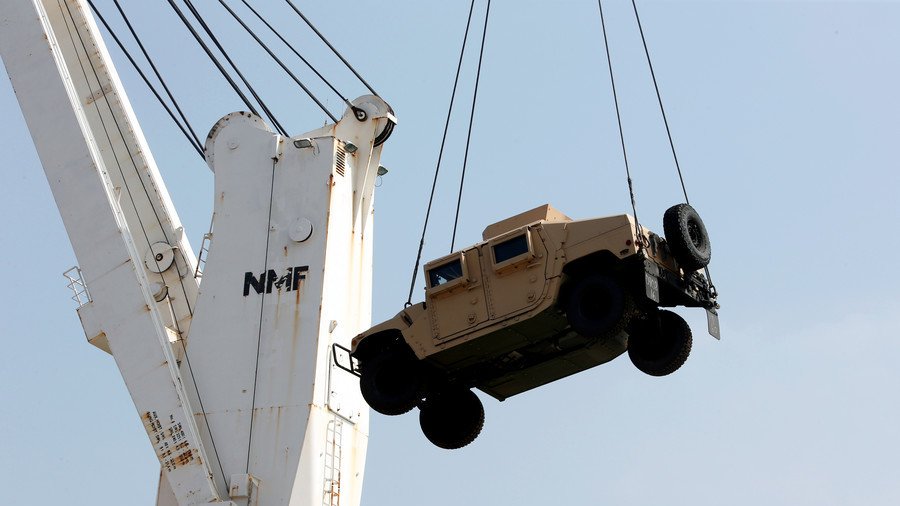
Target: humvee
540, 298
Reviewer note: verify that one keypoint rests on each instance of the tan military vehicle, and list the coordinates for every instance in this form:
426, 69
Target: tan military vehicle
541, 298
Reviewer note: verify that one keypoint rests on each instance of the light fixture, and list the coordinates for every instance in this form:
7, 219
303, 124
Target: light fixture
350, 147
382, 170
303, 143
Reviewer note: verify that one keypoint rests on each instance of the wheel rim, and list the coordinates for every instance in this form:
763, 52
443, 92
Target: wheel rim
695, 233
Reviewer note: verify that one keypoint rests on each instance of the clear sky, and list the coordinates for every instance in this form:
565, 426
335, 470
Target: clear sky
785, 117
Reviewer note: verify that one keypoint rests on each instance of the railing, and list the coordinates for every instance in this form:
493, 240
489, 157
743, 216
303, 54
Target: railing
76, 283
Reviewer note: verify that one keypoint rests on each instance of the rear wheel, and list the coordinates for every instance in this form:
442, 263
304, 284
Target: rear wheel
660, 344
687, 237
452, 419
391, 382
598, 306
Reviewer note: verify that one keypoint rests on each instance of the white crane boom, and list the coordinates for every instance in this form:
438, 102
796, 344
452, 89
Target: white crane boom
251, 409
115, 210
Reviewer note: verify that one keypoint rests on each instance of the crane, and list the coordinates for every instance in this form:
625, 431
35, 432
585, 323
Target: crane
229, 367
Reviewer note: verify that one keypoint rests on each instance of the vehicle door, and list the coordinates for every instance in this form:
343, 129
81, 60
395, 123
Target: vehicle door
454, 294
515, 272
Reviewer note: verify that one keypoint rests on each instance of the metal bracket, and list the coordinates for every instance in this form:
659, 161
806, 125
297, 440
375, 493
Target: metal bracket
353, 367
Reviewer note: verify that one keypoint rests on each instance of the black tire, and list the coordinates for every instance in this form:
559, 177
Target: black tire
598, 306
660, 344
687, 237
452, 419
391, 382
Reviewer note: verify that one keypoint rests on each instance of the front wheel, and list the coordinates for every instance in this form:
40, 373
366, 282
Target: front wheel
660, 344
452, 419
391, 382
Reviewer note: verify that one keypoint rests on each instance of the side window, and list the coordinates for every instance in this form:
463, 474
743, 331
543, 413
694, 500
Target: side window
510, 248
511, 251
445, 273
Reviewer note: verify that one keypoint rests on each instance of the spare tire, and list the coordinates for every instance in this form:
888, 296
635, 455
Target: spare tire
687, 237
452, 419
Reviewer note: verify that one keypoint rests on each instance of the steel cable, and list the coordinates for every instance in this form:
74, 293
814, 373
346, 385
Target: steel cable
215, 60
335, 51
188, 132
612, 80
437, 168
462, 178
277, 60
215, 40
295, 51
662, 111
156, 71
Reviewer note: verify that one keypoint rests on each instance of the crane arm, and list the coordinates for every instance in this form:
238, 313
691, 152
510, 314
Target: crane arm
123, 228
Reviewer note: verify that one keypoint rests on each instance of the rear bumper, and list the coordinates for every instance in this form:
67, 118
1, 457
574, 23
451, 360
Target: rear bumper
668, 289
664, 288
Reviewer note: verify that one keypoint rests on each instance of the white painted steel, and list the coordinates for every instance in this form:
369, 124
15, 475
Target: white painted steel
271, 306
284, 421
114, 206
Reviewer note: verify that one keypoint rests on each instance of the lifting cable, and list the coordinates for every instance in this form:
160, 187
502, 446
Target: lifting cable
294, 50
155, 71
335, 51
462, 178
121, 135
437, 168
659, 100
188, 132
216, 62
612, 80
215, 40
260, 325
278, 60
662, 111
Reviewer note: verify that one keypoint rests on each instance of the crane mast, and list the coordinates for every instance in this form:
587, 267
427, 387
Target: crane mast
233, 377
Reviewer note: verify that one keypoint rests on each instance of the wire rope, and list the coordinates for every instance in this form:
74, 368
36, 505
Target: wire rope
277, 60
215, 61
437, 168
335, 51
156, 71
612, 80
295, 51
662, 111
189, 132
212, 57
260, 327
462, 178
215, 40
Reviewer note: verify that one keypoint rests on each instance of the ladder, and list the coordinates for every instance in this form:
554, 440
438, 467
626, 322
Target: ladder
332, 488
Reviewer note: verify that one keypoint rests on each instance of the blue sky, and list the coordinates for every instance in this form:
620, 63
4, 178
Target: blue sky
784, 115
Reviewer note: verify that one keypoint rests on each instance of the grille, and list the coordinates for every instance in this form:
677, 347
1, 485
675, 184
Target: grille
340, 157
